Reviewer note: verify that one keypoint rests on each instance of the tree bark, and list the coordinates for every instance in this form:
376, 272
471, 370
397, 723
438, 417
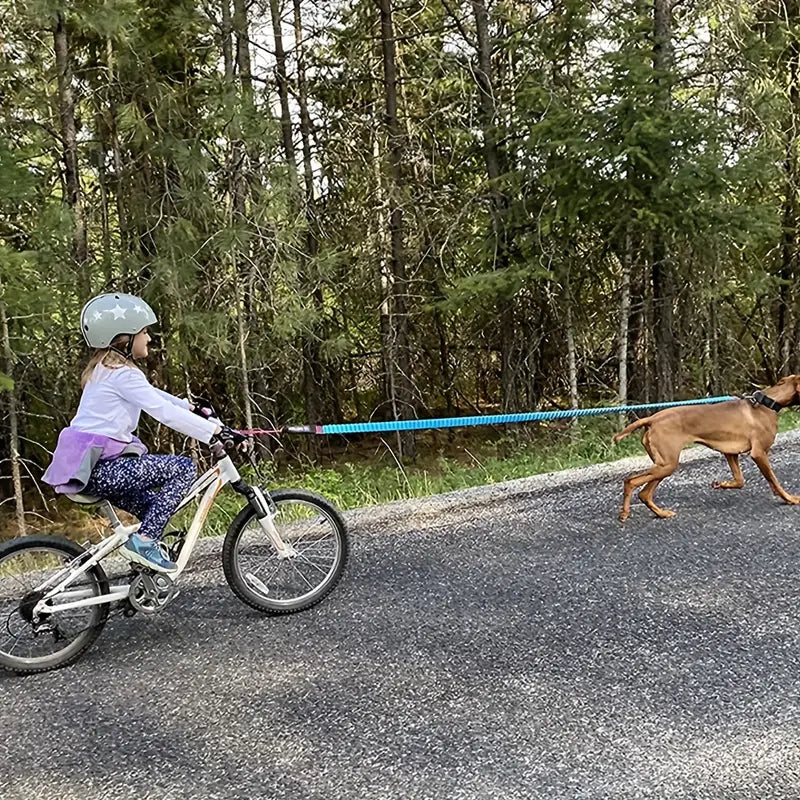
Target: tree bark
305, 117
282, 82
318, 389
102, 185
241, 30
116, 155
572, 355
238, 193
662, 268
226, 46
69, 137
624, 321
495, 168
13, 421
786, 322
384, 277
401, 399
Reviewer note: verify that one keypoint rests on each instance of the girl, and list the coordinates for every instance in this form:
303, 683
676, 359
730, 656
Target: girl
98, 453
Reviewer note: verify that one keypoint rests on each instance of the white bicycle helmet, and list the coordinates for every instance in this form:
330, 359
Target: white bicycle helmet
110, 315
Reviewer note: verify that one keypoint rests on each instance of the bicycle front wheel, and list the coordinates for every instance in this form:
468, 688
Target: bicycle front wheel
37, 642
281, 584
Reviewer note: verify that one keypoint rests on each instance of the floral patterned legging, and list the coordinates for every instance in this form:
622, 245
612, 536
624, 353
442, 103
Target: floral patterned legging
149, 486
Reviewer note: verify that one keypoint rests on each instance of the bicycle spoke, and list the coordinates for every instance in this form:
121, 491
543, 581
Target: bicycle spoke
315, 543
319, 569
274, 573
294, 567
33, 640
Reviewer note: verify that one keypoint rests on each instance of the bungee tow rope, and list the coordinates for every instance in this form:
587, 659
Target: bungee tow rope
463, 422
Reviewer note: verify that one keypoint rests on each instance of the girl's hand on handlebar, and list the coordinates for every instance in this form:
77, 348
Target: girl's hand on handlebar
202, 408
230, 438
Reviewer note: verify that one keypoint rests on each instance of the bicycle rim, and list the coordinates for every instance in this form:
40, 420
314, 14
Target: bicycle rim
298, 581
30, 643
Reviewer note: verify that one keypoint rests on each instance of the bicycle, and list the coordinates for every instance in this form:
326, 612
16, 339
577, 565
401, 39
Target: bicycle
284, 552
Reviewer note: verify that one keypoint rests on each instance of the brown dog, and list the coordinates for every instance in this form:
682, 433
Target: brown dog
732, 427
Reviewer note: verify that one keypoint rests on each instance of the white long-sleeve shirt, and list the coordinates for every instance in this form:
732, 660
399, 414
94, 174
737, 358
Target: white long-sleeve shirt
113, 400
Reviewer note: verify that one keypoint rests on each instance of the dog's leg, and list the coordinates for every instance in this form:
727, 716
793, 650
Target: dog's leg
629, 486
646, 494
762, 462
738, 478
631, 482
652, 477
665, 454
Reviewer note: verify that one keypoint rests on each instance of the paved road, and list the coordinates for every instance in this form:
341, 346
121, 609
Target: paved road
508, 642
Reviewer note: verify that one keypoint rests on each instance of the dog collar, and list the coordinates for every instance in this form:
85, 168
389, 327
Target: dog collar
759, 398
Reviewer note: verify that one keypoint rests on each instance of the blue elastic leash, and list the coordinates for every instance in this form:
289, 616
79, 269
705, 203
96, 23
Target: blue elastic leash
487, 419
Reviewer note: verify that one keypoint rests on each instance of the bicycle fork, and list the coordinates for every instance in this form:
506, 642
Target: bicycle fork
264, 510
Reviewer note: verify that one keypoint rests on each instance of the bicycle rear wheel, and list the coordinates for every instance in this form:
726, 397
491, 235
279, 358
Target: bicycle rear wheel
262, 578
38, 643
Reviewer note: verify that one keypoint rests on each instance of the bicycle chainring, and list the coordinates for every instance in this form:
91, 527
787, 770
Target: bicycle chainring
150, 592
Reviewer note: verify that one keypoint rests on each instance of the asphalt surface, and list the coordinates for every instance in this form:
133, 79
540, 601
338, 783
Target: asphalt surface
513, 641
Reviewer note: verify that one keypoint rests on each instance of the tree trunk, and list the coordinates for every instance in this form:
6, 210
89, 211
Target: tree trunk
624, 319
320, 390
572, 356
116, 155
226, 46
244, 369
102, 184
238, 193
13, 424
495, 168
283, 96
662, 268
305, 118
647, 336
315, 379
66, 106
241, 30
786, 344
383, 277
663, 319
401, 398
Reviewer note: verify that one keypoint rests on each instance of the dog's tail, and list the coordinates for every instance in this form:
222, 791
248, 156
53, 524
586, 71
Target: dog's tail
640, 423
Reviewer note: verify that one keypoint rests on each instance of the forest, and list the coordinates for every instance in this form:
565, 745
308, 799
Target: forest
389, 209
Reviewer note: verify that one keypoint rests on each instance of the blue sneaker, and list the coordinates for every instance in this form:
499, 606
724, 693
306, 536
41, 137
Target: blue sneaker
148, 553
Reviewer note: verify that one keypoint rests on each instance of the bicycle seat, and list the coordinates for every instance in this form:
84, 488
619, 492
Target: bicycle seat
83, 499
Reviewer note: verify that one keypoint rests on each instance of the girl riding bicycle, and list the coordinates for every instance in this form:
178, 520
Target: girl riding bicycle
98, 453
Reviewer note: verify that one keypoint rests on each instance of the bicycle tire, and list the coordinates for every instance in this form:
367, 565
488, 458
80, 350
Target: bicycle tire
84, 639
258, 600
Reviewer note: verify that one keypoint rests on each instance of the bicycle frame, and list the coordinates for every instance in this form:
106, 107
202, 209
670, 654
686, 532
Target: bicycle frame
209, 485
